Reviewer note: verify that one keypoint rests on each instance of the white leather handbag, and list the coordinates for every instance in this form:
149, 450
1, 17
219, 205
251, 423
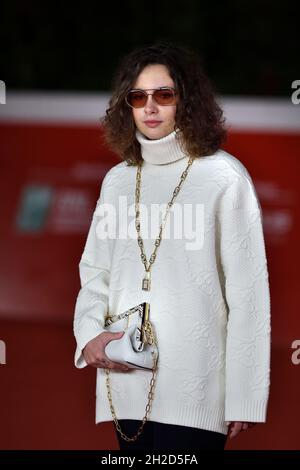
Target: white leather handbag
138, 347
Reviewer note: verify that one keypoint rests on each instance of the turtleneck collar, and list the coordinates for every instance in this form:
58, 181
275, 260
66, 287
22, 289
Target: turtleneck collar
160, 151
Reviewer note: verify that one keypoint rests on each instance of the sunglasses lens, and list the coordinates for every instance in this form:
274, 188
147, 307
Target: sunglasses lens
136, 99
164, 97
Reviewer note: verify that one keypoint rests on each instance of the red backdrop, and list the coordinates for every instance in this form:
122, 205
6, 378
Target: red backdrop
45, 403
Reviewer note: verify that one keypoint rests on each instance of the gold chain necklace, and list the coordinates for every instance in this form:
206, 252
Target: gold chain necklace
146, 284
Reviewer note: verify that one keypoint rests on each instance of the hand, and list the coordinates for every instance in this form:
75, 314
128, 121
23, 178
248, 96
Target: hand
94, 352
238, 426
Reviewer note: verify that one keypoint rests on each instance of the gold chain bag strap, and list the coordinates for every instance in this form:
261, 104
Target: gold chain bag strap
147, 328
139, 351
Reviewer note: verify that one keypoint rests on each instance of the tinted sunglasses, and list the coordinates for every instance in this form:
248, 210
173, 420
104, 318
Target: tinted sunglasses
164, 96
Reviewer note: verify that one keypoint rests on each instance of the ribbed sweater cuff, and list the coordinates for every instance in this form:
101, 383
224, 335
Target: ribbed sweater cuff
253, 411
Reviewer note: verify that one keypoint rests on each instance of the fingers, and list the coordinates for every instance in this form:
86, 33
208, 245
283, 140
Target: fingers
235, 429
107, 364
112, 337
238, 426
94, 352
103, 362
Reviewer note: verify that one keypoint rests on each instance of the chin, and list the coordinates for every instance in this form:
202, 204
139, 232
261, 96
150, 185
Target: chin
155, 133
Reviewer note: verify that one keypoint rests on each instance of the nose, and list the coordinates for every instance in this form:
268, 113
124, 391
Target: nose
150, 105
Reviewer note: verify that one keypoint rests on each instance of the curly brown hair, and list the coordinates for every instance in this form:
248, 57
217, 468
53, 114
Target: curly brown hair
199, 119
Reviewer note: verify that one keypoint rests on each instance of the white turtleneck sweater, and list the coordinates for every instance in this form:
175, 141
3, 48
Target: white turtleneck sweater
209, 297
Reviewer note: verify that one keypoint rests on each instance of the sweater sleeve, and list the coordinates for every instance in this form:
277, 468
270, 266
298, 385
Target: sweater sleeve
246, 287
92, 300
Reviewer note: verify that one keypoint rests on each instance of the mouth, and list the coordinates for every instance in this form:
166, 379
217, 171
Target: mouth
152, 123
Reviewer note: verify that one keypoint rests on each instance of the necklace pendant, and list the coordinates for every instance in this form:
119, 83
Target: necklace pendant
146, 281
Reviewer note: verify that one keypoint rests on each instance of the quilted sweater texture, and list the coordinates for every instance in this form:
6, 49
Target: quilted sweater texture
210, 300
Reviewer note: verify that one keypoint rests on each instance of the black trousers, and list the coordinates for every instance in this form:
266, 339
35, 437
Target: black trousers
160, 436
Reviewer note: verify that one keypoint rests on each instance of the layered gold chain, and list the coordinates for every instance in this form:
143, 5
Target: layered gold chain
148, 331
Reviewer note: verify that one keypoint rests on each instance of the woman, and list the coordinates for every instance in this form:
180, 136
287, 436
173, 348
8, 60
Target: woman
209, 298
